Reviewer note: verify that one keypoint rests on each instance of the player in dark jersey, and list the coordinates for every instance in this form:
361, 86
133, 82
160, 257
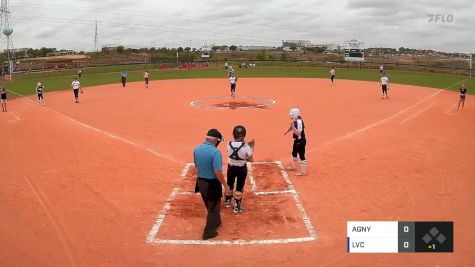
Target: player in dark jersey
297, 128
39, 93
3, 99
239, 153
463, 91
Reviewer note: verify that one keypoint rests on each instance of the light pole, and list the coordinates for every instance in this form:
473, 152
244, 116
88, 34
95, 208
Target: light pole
8, 32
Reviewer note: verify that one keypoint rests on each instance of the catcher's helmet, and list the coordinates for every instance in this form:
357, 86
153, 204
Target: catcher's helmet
239, 132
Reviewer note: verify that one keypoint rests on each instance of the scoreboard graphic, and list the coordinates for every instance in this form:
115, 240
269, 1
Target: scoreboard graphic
354, 51
399, 237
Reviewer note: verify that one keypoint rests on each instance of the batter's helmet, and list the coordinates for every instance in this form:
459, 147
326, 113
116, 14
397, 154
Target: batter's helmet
239, 132
294, 113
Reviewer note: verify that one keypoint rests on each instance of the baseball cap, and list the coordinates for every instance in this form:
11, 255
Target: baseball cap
215, 133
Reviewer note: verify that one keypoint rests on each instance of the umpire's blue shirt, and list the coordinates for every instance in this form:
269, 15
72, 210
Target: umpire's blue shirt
208, 159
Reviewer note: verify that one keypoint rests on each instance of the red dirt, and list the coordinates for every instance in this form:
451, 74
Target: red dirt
268, 177
73, 196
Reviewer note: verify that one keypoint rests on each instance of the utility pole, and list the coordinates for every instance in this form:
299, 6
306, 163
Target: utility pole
6, 31
95, 40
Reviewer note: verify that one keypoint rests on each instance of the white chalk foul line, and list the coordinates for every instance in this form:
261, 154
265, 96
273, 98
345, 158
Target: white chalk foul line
303, 213
155, 153
57, 226
417, 113
161, 216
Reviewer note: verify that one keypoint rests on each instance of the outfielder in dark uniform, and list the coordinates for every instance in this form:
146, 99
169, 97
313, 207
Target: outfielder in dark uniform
297, 127
463, 91
239, 153
3, 99
123, 77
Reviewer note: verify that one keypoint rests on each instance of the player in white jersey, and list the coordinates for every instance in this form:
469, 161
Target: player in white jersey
384, 86
39, 93
239, 153
332, 74
145, 76
381, 69
76, 85
233, 81
297, 127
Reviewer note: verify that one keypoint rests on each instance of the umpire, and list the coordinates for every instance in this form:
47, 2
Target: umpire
209, 164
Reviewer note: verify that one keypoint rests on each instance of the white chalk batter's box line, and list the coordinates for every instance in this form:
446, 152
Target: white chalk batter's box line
312, 234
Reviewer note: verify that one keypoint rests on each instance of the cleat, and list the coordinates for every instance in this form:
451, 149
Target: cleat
237, 210
227, 204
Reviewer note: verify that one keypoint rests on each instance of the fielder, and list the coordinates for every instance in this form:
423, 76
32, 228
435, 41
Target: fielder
332, 74
233, 80
123, 77
384, 86
297, 127
39, 93
145, 76
463, 91
3, 99
76, 85
239, 152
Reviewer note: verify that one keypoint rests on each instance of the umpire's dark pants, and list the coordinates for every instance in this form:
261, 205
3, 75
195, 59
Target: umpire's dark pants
211, 192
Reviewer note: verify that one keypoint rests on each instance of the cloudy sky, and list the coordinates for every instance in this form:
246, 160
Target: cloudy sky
68, 24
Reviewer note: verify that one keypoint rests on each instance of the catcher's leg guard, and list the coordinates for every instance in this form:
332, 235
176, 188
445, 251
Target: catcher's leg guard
237, 202
227, 202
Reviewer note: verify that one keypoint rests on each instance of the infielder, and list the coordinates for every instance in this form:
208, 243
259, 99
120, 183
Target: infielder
233, 80
384, 86
3, 99
463, 91
297, 127
145, 76
239, 152
39, 93
76, 85
123, 76
332, 74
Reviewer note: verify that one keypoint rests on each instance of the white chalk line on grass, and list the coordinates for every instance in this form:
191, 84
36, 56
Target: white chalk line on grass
155, 153
417, 113
152, 236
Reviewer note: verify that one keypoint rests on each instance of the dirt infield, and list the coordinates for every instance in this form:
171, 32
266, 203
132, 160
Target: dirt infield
83, 184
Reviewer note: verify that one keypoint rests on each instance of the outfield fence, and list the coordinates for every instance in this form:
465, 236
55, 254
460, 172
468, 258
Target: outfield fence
437, 67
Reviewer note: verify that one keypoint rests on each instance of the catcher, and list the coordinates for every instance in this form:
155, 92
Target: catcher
239, 152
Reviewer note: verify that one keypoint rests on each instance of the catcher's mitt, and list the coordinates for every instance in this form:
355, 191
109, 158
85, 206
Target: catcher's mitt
251, 143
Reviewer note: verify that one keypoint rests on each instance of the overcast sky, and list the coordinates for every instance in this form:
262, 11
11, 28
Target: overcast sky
68, 24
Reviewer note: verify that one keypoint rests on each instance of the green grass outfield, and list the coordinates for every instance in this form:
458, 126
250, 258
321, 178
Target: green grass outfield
436, 80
